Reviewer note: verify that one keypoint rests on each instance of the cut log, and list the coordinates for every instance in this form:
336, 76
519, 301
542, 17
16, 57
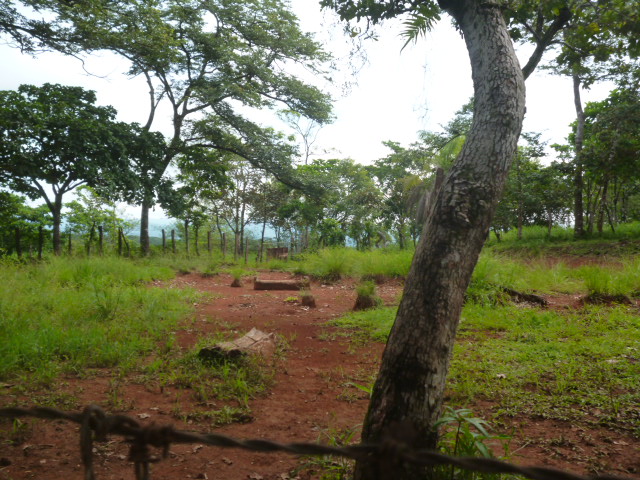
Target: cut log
296, 284
255, 342
525, 297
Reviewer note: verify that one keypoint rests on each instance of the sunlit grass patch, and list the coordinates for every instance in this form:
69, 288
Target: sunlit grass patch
372, 324
73, 314
222, 388
575, 365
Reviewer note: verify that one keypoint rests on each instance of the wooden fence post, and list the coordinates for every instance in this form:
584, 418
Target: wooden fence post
246, 250
173, 241
209, 241
119, 241
164, 241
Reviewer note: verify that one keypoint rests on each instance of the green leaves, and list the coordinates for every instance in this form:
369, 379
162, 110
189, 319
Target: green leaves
420, 22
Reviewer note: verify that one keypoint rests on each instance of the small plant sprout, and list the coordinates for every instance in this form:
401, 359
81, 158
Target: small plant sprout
462, 435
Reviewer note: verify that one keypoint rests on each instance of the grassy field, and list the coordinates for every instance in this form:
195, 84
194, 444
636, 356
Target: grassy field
580, 364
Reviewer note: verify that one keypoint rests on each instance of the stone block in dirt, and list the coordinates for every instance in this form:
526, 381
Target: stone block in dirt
255, 342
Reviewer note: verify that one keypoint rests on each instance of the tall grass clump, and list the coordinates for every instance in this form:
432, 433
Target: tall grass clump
384, 263
183, 263
70, 314
333, 263
531, 235
329, 264
612, 281
367, 296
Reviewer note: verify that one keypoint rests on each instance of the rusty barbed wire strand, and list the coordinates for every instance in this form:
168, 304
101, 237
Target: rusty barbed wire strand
96, 425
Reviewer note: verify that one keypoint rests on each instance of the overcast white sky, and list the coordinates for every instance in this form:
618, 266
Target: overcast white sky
396, 95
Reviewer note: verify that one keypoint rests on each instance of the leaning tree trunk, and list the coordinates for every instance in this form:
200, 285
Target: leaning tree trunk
408, 393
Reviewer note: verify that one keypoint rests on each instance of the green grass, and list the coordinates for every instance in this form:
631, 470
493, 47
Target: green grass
221, 389
369, 324
579, 365
68, 315
571, 366
536, 242
333, 263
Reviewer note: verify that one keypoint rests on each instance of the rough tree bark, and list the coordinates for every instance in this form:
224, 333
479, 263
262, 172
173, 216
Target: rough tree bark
578, 181
145, 242
415, 363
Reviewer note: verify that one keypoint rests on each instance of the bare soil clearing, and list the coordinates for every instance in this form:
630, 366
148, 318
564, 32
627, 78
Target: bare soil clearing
312, 398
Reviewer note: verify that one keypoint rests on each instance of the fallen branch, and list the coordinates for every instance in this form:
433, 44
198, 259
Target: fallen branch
525, 297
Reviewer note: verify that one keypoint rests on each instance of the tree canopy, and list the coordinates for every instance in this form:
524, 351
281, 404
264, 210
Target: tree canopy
54, 139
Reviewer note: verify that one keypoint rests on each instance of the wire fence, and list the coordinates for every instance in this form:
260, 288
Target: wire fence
96, 425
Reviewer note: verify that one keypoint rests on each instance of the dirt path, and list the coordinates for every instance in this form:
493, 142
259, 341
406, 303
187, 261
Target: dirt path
312, 399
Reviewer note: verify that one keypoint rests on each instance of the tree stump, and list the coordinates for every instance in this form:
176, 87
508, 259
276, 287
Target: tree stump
255, 342
308, 300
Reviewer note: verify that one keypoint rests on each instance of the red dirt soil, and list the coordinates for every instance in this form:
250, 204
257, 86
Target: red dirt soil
311, 397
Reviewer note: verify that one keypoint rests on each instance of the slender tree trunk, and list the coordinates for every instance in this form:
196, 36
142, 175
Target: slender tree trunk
409, 390
264, 226
578, 182
92, 234
145, 243
57, 220
224, 245
18, 234
603, 204
520, 222
220, 231
186, 236
40, 241
401, 236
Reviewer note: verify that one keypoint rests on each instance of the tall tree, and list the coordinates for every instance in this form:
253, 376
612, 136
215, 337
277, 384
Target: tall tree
90, 212
206, 58
400, 177
410, 385
612, 151
16, 214
596, 38
53, 139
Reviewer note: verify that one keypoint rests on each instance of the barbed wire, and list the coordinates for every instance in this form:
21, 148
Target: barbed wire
96, 425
